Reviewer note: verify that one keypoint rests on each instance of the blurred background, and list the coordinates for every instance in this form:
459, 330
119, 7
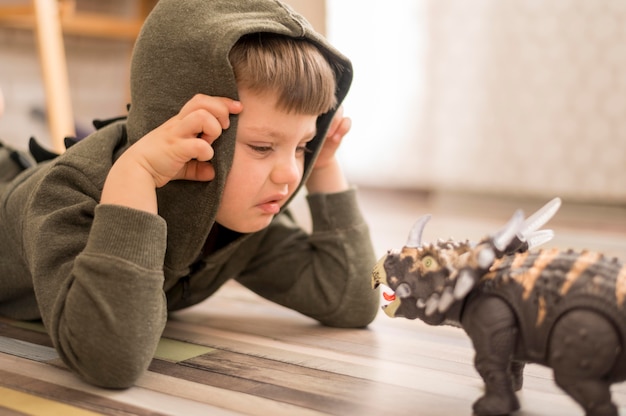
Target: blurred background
519, 100
515, 97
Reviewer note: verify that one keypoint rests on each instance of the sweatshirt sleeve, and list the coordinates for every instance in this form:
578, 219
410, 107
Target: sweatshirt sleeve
324, 274
98, 276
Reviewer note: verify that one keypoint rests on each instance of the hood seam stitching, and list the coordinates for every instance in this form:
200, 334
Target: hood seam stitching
294, 16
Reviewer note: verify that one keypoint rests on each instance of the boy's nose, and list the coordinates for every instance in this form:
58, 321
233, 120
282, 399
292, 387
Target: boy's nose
288, 171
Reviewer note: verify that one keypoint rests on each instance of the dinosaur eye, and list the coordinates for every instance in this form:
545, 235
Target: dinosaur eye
429, 262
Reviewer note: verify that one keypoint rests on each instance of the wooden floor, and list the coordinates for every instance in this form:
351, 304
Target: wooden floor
238, 354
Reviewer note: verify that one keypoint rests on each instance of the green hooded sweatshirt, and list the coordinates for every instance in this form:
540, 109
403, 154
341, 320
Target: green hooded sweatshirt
103, 277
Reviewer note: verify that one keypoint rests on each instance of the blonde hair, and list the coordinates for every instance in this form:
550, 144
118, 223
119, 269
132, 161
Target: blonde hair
295, 69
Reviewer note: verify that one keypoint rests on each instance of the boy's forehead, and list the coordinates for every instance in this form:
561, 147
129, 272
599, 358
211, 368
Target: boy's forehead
275, 133
261, 117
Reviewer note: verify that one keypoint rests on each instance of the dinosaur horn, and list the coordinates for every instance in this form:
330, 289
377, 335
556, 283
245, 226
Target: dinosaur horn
538, 238
415, 236
539, 218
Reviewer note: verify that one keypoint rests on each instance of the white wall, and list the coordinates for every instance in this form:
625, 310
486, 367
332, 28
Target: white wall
386, 43
516, 97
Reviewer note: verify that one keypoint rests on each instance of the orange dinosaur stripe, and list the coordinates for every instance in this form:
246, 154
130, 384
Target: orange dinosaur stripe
541, 311
504, 262
528, 278
519, 260
586, 259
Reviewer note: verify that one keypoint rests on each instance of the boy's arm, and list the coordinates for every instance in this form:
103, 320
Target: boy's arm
97, 259
97, 269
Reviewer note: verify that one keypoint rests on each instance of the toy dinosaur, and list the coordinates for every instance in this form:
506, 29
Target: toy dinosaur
561, 309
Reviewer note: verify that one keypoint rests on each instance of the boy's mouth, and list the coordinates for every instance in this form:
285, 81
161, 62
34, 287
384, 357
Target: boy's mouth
270, 207
272, 204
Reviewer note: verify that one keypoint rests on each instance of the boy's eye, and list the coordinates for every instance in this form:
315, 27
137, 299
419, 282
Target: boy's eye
303, 149
260, 149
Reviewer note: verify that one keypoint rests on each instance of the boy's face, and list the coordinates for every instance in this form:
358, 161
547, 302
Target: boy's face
268, 163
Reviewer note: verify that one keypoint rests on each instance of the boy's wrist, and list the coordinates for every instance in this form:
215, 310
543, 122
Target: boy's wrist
130, 185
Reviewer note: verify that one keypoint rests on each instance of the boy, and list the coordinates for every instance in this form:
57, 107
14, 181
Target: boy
230, 106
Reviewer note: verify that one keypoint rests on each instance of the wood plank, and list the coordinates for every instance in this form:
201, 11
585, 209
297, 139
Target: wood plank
320, 394
28, 350
166, 381
29, 340
36, 397
145, 400
5, 411
25, 331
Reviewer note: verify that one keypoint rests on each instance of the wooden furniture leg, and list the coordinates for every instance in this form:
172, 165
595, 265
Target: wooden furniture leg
54, 72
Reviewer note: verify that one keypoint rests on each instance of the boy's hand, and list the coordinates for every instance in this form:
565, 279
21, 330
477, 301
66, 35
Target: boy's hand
339, 127
178, 149
326, 176
181, 147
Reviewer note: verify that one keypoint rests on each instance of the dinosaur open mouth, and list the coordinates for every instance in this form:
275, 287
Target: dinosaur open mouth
389, 297
389, 302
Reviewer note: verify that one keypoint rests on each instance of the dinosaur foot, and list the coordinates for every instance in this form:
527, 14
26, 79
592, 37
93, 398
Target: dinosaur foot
496, 404
606, 409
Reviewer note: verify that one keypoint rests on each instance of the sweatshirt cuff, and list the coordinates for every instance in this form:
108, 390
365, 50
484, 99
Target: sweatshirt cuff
133, 235
335, 211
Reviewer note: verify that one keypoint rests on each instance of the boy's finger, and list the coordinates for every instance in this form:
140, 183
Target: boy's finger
196, 170
220, 107
342, 129
199, 124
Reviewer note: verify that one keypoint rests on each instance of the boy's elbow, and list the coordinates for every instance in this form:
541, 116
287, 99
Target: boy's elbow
354, 316
109, 366
110, 375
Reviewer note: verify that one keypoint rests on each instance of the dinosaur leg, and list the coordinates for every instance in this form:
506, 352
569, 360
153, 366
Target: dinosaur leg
583, 350
517, 374
491, 325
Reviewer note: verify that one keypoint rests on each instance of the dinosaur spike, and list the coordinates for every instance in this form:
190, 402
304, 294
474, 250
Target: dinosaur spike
539, 218
432, 304
464, 284
447, 299
486, 257
415, 236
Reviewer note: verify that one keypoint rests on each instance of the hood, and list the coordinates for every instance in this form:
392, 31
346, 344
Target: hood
182, 50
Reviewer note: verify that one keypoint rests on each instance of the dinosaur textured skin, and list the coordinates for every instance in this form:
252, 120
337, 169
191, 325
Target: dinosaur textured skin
564, 309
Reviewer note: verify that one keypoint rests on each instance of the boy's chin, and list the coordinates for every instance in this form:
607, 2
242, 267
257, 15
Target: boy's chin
250, 226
